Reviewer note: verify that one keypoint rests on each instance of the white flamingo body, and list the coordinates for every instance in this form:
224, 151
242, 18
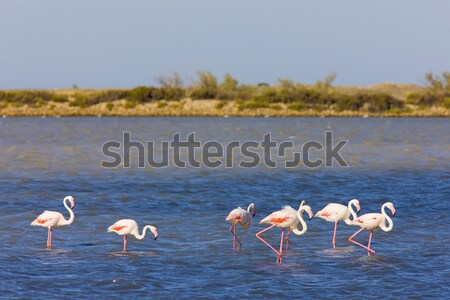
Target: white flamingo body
242, 217
51, 219
126, 227
335, 212
286, 218
373, 221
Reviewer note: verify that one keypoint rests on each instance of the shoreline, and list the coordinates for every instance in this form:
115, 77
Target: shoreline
201, 108
379, 100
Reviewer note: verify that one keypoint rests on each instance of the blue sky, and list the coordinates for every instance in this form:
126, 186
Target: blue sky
109, 43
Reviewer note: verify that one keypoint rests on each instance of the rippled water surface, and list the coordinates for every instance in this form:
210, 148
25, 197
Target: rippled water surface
405, 161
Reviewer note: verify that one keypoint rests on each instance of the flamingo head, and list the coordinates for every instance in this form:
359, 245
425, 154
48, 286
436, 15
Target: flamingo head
153, 230
71, 200
391, 207
355, 202
253, 210
308, 210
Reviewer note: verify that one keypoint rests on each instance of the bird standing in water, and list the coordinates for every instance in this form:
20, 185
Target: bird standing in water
372, 222
287, 218
127, 226
51, 219
335, 212
240, 216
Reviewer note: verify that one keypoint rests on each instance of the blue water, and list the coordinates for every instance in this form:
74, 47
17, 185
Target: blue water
405, 161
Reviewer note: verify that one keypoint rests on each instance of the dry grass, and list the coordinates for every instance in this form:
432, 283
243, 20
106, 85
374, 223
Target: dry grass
189, 107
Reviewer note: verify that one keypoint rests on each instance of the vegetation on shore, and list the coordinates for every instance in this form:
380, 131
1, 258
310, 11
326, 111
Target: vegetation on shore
209, 97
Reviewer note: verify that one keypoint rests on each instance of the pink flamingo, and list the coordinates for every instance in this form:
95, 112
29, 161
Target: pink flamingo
286, 218
372, 222
127, 226
335, 212
239, 216
52, 219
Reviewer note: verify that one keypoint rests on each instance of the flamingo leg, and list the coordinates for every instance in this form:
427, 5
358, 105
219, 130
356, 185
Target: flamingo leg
262, 240
350, 239
235, 238
125, 237
368, 246
287, 240
49, 237
334, 234
280, 255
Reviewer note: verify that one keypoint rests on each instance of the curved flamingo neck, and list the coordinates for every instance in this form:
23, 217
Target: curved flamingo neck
304, 226
251, 208
352, 212
387, 218
72, 215
251, 211
144, 232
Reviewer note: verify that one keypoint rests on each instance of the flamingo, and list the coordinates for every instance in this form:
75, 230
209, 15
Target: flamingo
127, 226
335, 212
286, 218
52, 219
372, 222
239, 216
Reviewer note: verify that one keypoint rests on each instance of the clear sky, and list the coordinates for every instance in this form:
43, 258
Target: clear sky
109, 43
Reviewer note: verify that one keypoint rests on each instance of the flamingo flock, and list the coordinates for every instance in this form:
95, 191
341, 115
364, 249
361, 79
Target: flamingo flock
286, 219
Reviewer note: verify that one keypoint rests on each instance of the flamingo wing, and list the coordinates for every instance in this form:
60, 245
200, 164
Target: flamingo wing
280, 218
236, 215
121, 227
47, 219
369, 221
332, 212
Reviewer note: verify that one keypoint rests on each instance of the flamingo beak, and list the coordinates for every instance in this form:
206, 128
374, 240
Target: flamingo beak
156, 237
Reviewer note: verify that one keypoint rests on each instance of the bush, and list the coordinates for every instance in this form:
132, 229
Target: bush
253, 104
109, 106
447, 102
206, 87
220, 104
161, 104
30, 97
141, 94
130, 104
296, 106
173, 93
79, 100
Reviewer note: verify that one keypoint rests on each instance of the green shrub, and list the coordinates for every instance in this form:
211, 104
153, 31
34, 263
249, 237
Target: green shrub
276, 107
253, 104
161, 104
220, 104
447, 102
30, 97
173, 93
130, 104
109, 106
141, 94
296, 106
206, 87
80, 100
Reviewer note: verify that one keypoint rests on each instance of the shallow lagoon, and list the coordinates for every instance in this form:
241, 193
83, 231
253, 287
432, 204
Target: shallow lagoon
405, 161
